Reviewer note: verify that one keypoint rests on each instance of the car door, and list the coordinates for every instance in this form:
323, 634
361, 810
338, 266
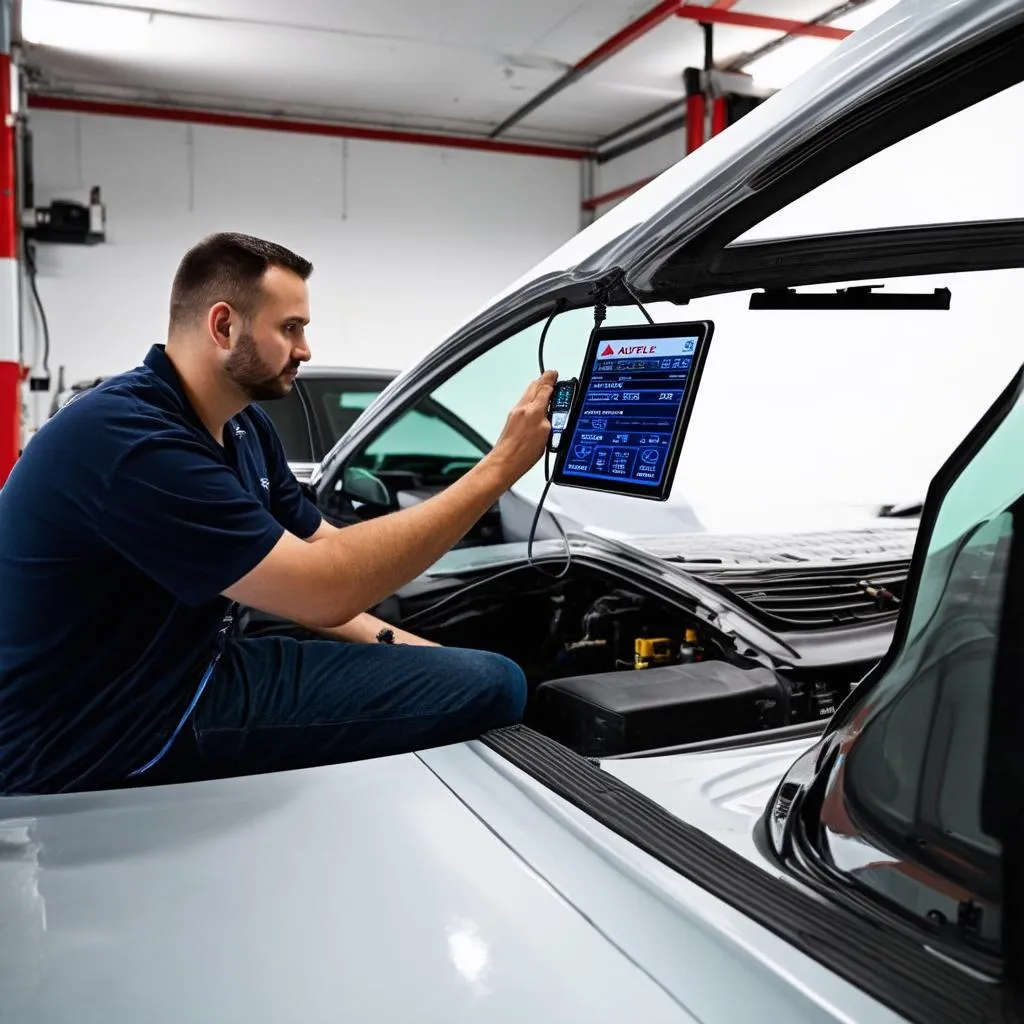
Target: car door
291, 418
316, 413
334, 402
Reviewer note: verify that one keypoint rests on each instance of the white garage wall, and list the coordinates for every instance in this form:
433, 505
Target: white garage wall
406, 240
642, 163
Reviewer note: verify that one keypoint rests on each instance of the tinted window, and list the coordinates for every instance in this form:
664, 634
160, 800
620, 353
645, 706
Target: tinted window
915, 774
422, 433
289, 417
337, 403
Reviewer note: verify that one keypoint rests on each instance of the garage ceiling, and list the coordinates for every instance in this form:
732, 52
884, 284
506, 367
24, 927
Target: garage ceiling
458, 66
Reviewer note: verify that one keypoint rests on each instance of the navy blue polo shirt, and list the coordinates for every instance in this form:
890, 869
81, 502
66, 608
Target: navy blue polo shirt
122, 523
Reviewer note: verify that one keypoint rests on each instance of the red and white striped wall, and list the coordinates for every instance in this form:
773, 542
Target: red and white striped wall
10, 355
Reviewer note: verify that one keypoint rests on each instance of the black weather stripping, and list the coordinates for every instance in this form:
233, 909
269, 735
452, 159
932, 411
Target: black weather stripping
888, 964
858, 297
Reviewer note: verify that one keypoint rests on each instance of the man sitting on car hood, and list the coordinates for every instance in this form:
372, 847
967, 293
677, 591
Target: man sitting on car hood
144, 509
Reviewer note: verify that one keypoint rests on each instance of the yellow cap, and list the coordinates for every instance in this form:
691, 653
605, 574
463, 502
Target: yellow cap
691, 636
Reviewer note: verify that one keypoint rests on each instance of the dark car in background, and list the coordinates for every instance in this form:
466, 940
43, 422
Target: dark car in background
323, 404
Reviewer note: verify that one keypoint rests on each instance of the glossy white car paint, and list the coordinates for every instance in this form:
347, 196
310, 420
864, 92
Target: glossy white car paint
722, 966
442, 887
721, 792
364, 892
445, 886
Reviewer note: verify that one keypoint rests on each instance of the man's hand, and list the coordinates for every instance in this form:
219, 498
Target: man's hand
330, 582
527, 430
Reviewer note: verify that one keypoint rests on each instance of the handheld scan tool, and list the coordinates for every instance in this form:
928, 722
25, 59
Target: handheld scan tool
625, 431
559, 409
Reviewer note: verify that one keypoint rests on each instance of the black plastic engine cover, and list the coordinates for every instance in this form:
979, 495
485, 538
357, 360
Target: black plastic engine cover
622, 712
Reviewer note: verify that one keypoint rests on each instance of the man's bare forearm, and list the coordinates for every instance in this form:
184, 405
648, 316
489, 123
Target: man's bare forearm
339, 574
366, 562
363, 629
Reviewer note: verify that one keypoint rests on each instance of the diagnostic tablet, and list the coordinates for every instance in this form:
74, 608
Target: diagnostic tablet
636, 392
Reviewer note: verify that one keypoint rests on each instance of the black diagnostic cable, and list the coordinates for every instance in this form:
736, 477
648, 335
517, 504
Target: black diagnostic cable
600, 311
599, 314
30, 265
643, 309
558, 307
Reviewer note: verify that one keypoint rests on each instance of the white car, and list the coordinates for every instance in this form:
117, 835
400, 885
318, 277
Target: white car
862, 868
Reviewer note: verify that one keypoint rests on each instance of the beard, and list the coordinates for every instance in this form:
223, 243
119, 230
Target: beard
257, 379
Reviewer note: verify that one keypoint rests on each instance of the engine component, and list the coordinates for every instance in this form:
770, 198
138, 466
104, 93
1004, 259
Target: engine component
618, 712
648, 651
691, 649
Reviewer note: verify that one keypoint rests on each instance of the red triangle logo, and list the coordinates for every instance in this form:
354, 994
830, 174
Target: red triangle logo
608, 351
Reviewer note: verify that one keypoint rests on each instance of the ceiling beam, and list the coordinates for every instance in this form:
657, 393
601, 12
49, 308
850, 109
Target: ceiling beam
841, 9
741, 19
720, 12
81, 105
736, 65
635, 30
667, 127
675, 107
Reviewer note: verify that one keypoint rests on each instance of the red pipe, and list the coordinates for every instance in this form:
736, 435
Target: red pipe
630, 34
10, 366
719, 115
696, 112
10, 417
618, 193
623, 38
722, 16
9, 220
39, 101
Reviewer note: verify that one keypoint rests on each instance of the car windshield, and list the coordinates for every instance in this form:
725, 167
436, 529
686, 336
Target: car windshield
805, 420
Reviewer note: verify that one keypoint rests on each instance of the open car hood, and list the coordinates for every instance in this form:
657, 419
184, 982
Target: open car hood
760, 155
667, 239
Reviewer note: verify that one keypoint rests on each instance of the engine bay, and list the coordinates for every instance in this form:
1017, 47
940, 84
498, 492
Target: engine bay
612, 668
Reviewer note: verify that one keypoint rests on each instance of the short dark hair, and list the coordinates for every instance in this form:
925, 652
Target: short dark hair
227, 267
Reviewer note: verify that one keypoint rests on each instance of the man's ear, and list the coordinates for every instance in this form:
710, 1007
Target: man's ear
218, 323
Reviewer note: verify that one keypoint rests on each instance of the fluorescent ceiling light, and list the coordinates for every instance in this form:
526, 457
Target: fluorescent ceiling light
84, 28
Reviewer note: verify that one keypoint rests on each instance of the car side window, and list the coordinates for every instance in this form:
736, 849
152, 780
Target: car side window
420, 432
338, 402
288, 415
914, 776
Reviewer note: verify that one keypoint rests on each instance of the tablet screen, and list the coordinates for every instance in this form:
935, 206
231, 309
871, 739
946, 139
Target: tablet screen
635, 396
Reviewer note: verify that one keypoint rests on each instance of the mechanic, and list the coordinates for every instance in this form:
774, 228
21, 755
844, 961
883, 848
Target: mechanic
145, 510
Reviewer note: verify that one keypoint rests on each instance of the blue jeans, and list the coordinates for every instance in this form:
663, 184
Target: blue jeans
277, 703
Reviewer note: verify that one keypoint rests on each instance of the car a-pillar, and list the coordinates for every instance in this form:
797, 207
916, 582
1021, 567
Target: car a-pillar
10, 320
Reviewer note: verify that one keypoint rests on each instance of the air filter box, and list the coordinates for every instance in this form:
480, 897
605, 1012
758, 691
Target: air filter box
621, 712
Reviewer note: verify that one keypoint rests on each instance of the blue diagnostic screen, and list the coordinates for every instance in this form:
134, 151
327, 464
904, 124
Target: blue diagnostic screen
627, 416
